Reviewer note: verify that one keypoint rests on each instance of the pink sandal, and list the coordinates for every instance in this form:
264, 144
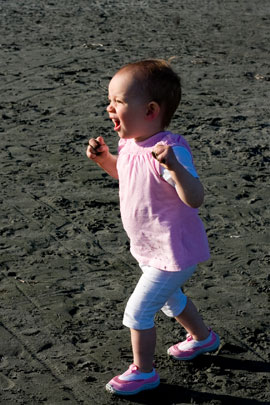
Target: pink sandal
190, 348
133, 381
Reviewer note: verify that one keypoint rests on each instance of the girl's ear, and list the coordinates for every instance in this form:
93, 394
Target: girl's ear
153, 110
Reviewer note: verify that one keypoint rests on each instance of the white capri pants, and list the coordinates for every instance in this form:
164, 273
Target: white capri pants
157, 289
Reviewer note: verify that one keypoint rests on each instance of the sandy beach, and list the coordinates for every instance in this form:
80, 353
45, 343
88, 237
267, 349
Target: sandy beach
66, 271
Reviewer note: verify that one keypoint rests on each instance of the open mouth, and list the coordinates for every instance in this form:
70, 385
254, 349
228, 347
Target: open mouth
117, 124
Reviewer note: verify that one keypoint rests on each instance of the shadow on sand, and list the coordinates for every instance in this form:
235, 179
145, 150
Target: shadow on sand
168, 394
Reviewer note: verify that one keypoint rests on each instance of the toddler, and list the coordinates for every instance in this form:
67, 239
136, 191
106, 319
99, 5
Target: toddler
160, 193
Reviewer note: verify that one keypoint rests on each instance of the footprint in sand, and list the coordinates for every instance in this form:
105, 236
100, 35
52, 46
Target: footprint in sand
5, 382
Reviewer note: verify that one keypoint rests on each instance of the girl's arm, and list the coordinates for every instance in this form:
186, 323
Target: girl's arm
188, 187
98, 151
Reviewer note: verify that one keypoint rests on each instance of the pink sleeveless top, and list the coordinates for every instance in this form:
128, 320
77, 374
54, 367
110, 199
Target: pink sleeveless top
164, 232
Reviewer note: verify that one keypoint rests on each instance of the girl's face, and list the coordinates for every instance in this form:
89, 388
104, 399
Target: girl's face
128, 107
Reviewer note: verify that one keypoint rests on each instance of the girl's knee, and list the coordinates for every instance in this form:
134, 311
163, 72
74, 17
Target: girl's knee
175, 305
137, 316
137, 321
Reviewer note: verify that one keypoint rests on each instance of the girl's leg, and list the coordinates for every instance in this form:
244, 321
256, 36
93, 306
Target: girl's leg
200, 339
143, 347
152, 291
191, 320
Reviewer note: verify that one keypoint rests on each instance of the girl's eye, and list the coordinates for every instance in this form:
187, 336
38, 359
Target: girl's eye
119, 101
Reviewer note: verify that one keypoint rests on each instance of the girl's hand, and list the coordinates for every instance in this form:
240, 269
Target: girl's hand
97, 150
188, 188
165, 155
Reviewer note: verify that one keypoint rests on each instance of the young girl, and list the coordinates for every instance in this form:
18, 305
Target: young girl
159, 195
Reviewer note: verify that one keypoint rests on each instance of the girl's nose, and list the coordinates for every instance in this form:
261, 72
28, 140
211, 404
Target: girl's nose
110, 108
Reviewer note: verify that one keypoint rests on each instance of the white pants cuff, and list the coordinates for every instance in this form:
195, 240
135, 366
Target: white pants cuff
156, 289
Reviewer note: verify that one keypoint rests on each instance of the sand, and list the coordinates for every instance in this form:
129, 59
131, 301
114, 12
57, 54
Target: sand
66, 270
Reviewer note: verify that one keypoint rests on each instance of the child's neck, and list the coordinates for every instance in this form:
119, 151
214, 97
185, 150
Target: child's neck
145, 137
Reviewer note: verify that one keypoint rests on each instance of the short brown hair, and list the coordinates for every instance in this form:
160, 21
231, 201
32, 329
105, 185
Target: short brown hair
160, 82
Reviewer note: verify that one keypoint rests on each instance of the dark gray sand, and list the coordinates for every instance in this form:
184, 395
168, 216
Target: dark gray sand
66, 271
